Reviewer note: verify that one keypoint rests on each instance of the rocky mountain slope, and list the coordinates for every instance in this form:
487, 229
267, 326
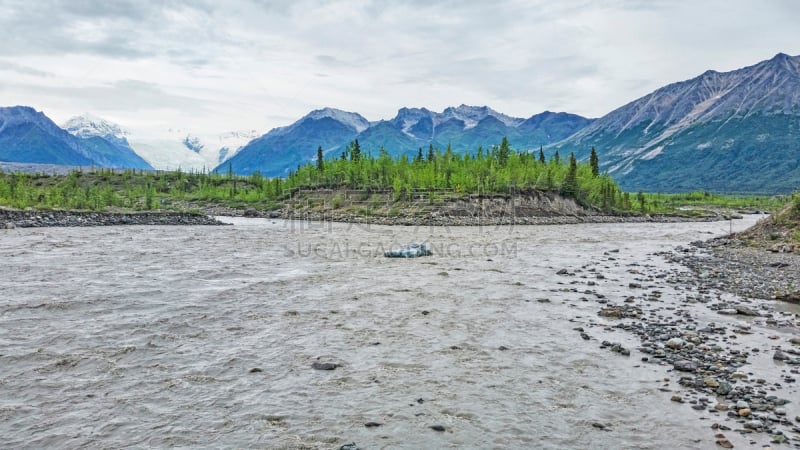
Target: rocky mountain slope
736, 131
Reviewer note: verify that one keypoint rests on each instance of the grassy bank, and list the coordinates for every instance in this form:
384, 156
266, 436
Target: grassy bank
381, 184
102, 190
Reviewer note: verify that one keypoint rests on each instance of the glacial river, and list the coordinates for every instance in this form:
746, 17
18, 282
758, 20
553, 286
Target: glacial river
205, 337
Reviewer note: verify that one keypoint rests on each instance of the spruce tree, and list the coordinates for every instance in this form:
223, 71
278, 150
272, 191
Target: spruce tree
594, 162
557, 158
320, 162
541, 155
570, 186
419, 155
355, 153
503, 152
431, 154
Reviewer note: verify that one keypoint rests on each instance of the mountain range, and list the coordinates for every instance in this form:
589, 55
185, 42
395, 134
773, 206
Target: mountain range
29, 136
463, 128
735, 131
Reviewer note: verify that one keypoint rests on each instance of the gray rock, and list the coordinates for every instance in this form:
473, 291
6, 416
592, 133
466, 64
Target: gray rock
10, 225
675, 343
741, 404
780, 356
753, 424
724, 388
324, 366
685, 366
745, 311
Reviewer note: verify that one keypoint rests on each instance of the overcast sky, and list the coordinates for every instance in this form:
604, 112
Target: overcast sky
215, 66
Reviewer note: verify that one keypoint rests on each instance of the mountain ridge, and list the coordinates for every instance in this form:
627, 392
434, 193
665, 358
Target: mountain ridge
721, 119
463, 128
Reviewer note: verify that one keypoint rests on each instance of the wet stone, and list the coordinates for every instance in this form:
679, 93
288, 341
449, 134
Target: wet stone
324, 366
780, 356
685, 366
724, 443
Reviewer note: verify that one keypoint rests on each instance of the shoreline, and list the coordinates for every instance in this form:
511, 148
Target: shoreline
14, 218
753, 272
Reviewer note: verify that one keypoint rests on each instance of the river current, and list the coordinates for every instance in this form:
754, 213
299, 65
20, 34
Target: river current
205, 337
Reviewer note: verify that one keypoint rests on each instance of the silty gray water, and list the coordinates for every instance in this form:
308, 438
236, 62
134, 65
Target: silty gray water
149, 336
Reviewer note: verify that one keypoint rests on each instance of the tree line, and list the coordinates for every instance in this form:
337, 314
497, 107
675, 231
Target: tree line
498, 169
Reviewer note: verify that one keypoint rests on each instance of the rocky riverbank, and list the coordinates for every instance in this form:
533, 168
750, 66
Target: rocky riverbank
761, 262
752, 272
441, 218
13, 218
525, 208
734, 359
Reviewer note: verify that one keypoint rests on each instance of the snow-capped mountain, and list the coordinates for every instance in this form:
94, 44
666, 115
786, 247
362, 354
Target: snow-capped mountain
350, 119
27, 135
473, 115
416, 121
725, 131
87, 126
464, 128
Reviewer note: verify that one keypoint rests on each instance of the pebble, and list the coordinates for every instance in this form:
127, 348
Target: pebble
438, 428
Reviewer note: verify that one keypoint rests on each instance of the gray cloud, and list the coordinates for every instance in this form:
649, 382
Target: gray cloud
279, 58
23, 70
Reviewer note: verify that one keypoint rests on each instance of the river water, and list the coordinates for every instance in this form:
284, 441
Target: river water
149, 337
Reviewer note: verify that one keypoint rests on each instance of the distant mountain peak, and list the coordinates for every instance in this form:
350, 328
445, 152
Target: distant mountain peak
87, 125
355, 120
472, 115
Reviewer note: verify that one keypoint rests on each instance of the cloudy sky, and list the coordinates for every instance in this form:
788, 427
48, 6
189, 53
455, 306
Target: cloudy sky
215, 66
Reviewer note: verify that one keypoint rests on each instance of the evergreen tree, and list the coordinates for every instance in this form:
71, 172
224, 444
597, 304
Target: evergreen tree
594, 162
419, 156
355, 153
503, 152
642, 201
320, 162
570, 186
431, 154
541, 155
557, 158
